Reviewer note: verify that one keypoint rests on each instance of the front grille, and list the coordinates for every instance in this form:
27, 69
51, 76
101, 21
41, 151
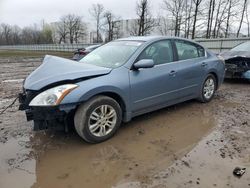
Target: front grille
25, 98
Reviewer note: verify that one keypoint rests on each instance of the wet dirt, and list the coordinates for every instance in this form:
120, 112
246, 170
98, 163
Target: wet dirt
186, 145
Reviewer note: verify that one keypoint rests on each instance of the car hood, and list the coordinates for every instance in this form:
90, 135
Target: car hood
56, 69
232, 54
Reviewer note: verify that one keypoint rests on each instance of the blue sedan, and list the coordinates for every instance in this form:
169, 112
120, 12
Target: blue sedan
118, 81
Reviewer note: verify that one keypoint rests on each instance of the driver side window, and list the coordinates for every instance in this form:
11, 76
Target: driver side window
161, 52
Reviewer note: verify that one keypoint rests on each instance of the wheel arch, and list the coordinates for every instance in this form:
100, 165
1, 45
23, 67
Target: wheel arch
121, 100
216, 77
114, 96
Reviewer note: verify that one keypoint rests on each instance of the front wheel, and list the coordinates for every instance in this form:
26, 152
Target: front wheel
98, 119
208, 89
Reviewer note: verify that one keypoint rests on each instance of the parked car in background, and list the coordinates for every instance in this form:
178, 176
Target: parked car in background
118, 81
237, 61
81, 52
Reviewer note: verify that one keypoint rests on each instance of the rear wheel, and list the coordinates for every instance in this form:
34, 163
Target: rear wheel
98, 119
208, 89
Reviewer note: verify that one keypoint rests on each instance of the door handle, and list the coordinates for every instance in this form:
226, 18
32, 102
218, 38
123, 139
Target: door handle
203, 64
172, 73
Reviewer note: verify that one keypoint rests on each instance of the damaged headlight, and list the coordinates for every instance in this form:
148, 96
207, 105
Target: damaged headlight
53, 96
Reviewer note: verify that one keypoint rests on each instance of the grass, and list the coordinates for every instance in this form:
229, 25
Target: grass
30, 54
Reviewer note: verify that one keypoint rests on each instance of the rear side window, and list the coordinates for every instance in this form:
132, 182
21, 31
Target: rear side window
161, 52
187, 50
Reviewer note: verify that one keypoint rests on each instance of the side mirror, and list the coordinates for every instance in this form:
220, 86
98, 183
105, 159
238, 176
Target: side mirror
144, 63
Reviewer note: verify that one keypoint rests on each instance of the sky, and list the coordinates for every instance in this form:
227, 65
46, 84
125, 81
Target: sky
27, 12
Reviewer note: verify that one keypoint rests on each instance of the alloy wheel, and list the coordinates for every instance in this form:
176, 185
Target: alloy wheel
102, 120
209, 88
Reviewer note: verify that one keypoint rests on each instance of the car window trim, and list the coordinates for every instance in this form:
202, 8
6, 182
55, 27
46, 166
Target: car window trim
181, 61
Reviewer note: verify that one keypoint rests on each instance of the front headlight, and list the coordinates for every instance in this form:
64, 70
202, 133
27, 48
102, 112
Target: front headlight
53, 96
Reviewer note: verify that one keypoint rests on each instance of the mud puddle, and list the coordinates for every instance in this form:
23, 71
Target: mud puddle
202, 167
212, 161
17, 167
148, 144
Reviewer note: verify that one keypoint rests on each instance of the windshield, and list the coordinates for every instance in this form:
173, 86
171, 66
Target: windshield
242, 47
113, 54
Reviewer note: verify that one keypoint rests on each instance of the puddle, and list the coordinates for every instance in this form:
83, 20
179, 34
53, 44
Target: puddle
142, 147
17, 169
202, 167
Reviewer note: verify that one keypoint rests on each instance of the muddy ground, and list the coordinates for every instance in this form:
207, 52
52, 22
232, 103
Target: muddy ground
186, 145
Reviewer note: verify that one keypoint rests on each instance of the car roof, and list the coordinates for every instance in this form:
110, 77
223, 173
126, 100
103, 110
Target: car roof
93, 46
141, 38
154, 38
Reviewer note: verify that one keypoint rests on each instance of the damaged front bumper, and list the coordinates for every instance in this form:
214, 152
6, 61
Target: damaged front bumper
238, 67
233, 71
54, 117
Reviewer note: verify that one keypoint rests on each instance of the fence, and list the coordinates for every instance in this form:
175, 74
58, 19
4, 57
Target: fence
45, 47
222, 44
216, 45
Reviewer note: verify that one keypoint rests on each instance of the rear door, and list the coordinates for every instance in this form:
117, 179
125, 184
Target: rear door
192, 67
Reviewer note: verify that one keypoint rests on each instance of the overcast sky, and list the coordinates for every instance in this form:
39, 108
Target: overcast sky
27, 12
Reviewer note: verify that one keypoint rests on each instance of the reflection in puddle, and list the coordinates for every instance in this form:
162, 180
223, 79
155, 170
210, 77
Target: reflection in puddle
147, 144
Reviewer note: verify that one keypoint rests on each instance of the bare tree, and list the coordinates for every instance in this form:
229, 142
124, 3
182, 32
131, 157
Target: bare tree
188, 19
6, 33
222, 19
197, 4
46, 34
79, 30
97, 12
165, 26
62, 30
32, 35
242, 16
16, 32
12, 35
71, 22
176, 8
111, 26
75, 27
134, 28
71, 27
230, 14
219, 17
210, 17
42, 33
145, 21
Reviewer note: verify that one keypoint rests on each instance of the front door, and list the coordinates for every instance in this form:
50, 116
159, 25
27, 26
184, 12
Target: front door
154, 86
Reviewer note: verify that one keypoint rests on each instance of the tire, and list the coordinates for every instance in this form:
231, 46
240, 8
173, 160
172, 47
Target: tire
205, 94
91, 122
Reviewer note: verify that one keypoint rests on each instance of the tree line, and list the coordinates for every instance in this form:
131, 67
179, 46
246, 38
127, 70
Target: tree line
182, 18
213, 18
